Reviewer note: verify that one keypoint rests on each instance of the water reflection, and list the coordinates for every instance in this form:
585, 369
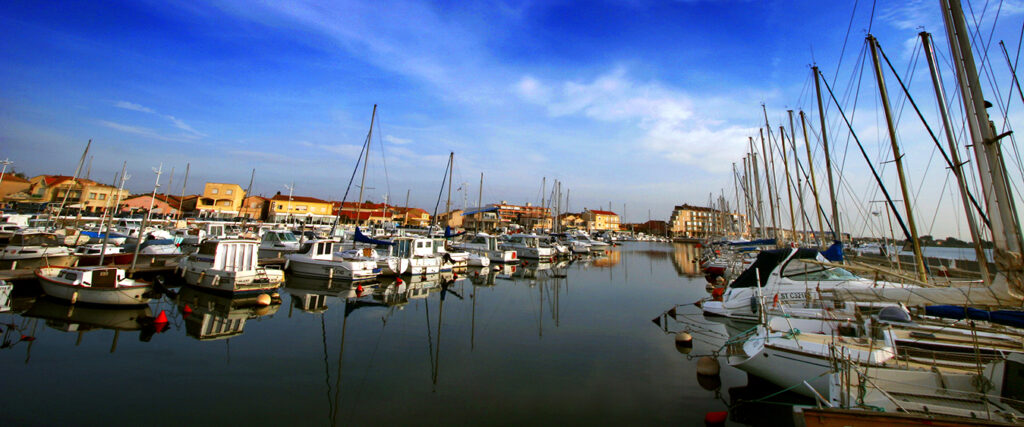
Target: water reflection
82, 318
685, 258
210, 316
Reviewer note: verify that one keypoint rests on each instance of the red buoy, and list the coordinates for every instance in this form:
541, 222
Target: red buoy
161, 318
398, 280
715, 418
187, 309
359, 289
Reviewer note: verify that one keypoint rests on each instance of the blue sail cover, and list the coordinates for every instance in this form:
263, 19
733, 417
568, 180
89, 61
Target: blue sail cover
448, 233
834, 253
1002, 317
361, 238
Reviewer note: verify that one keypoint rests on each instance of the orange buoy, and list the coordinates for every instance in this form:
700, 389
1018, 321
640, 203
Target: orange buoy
715, 418
263, 300
708, 365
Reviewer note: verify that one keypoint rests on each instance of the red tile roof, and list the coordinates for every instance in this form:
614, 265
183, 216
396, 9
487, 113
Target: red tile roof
603, 212
7, 177
284, 198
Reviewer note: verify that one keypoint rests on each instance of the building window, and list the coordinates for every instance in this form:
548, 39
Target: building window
214, 191
92, 196
229, 192
225, 204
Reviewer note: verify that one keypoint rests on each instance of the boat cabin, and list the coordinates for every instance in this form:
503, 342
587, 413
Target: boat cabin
525, 240
489, 242
35, 239
230, 255
408, 247
93, 277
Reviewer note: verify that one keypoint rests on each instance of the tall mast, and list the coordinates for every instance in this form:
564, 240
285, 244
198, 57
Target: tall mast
799, 181
768, 182
814, 181
448, 204
757, 184
145, 219
736, 189
480, 204
181, 200
1002, 213
362, 182
954, 154
922, 273
837, 233
106, 228
74, 180
789, 184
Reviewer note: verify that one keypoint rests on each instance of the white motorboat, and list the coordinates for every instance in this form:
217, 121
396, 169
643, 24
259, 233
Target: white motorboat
320, 258
795, 277
528, 246
477, 260
30, 249
487, 245
229, 266
278, 243
389, 265
95, 285
420, 253
451, 259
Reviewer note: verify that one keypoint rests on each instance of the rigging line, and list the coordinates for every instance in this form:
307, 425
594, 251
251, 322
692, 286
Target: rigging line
384, 161
867, 159
938, 208
871, 20
349, 187
846, 40
441, 192
1006, 123
931, 133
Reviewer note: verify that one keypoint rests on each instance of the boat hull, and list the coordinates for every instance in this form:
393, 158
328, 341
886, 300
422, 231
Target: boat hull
134, 295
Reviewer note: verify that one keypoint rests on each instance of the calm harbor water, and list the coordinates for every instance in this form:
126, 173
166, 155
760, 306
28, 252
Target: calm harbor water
563, 343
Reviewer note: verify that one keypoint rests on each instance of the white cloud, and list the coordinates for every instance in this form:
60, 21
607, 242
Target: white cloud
178, 123
144, 131
666, 120
396, 140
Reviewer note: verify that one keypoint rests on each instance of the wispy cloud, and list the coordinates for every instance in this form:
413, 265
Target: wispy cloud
396, 140
178, 123
667, 121
144, 131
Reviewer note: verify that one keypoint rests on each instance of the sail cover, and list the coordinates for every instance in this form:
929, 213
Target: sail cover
1003, 317
361, 238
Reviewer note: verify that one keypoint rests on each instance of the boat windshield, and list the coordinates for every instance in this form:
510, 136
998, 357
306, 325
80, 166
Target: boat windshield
34, 240
801, 270
286, 237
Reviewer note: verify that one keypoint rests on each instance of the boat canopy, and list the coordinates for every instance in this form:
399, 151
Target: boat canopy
766, 262
361, 238
1014, 318
759, 242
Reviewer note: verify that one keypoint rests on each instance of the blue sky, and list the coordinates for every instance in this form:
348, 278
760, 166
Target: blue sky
645, 103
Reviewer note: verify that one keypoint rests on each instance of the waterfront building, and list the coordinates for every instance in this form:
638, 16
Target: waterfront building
572, 221
694, 222
453, 219
163, 204
285, 208
597, 220
11, 184
527, 216
220, 200
368, 212
487, 217
412, 217
255, 208
85, 194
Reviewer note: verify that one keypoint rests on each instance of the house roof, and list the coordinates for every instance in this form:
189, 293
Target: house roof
7, 177
284, 198
603, 212
261, 198
686, 207
51, 180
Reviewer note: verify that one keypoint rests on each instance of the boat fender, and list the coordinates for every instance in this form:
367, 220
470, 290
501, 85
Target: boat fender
753, 304
708, 365
715, 418
202, 274
684, 339
216, 280
263, 300
74, 297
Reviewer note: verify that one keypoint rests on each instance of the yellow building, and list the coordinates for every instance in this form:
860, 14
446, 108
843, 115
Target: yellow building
601, 220
694, 222
283, 208
219, 199
85, 194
